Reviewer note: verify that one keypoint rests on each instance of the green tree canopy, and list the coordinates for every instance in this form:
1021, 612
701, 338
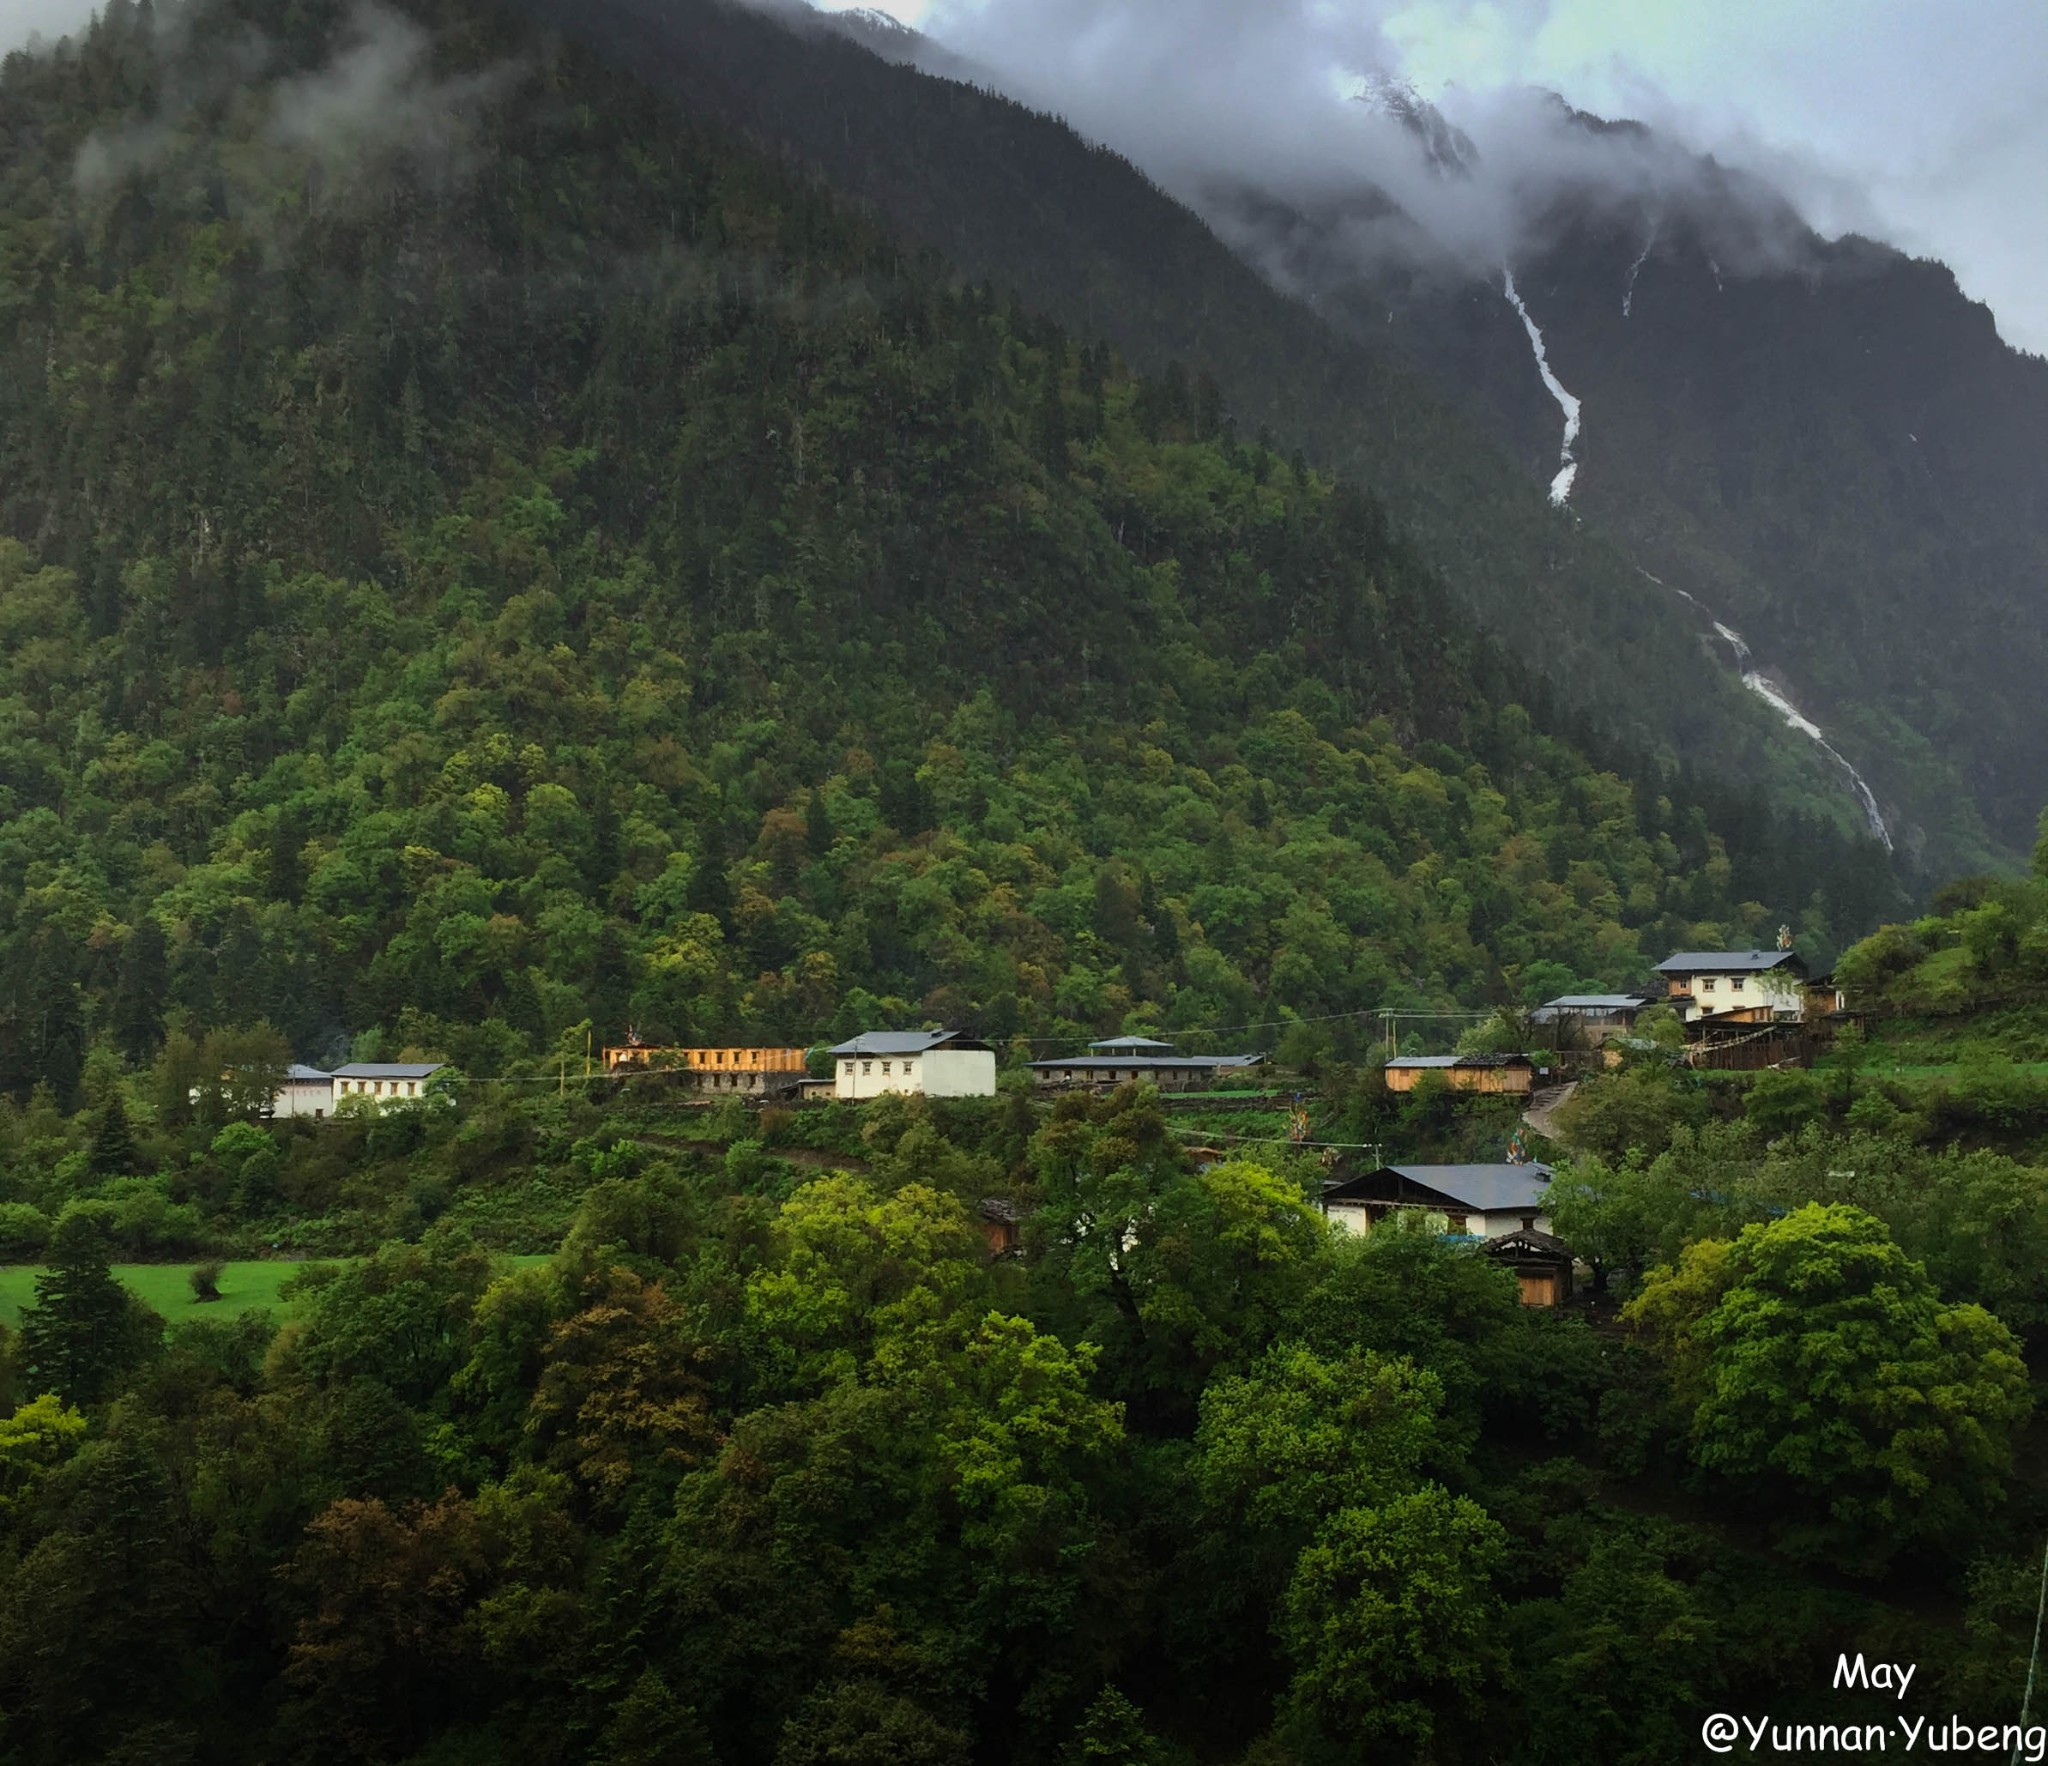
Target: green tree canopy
1816, 1358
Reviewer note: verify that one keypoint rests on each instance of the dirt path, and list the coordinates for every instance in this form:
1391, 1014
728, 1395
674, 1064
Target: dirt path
1543, 1106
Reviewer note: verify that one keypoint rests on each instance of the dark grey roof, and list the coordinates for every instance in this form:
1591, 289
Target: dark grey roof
903, 1042
1723, 962
1000, 1208
299, 1071
1457, 1060
1488, 1188
1133, 1043
1595, 1002
388, 1069
1153, 1063
1528, 1239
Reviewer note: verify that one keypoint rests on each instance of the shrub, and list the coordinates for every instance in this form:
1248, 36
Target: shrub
24, 1232
205, 1280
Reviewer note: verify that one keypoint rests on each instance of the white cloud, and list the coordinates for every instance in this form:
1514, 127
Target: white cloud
1920, 123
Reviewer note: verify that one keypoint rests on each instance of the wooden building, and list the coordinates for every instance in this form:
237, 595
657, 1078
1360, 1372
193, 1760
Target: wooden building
719, 1069
1594, 1015
1542, 1265
1002, 1225
1511, 1074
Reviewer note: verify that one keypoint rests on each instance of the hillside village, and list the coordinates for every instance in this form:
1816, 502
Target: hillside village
1747, 1009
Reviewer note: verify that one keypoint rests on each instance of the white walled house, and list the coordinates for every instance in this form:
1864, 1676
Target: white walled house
1475, 1201
1736, 986
384, 1082
307, 1091
935, 1063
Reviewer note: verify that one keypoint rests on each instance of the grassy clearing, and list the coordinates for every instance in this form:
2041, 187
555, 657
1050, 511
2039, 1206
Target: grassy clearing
166, 1287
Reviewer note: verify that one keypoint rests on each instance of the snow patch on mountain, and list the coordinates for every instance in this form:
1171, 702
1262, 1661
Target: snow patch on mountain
1446, 149
1568, 466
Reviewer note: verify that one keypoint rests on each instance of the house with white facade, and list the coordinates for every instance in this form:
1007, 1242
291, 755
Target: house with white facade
307, 1091
1473, 1201
936, 1063
384, 1081
1736, 986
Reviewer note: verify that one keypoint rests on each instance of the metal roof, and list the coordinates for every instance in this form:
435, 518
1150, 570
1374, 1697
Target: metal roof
1456, 1060
1722, 962
1597, 1002
903, 1042
1130, 1042
1152, 1063
1487, 1188
299, 1070
388, 1069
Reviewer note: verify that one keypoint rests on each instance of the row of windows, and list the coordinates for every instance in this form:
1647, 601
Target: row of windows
374, 1088
868, 1067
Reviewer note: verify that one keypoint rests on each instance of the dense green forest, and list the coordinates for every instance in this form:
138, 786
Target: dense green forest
774, 1461
491, 559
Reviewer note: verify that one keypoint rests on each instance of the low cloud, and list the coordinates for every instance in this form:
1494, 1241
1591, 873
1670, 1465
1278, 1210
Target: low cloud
1883, 117
374, 100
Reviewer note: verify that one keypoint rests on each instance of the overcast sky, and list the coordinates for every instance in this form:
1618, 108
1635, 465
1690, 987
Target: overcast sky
1922, 121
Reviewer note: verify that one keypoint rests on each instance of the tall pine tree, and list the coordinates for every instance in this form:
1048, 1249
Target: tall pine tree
85, 1331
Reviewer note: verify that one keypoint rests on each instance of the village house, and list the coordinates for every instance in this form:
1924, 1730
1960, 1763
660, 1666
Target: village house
1512, 1074
1002, 1225
384, 1080
936, 1063
307, 1091
1596, 1014
1541, 1265
753, 1071
1825, 997
311, 1091
1735, 986
1118, 1060
1473, 1201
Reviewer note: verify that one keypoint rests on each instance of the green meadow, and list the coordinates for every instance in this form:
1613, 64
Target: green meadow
167, 1287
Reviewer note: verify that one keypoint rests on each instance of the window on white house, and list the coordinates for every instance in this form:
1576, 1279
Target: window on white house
867, 1066
1707, 986
885, 1067
1735, 984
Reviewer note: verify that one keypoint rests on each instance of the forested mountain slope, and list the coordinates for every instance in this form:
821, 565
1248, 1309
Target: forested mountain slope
1016, 197
489, 555
1826, 444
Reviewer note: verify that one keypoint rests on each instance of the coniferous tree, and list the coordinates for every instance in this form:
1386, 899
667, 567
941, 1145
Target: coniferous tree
287, 870
85, 1331
113, 1141
56, 1027
818, 830
139, 991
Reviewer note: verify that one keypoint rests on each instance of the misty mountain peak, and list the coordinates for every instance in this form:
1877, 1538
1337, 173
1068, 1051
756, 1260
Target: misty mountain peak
1447, 149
